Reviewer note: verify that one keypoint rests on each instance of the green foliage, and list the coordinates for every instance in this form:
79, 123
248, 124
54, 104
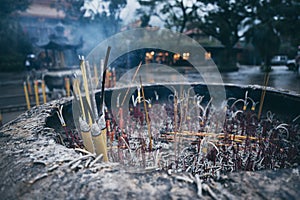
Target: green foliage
176, 14
288, 22
277, 24
266, 41
225, 20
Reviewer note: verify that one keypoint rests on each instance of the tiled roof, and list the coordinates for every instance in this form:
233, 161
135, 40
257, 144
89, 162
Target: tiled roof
42, 8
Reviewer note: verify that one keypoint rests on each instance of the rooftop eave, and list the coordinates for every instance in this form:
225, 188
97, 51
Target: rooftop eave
42, 11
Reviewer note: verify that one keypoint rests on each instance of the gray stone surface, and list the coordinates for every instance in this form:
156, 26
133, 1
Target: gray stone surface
33, 166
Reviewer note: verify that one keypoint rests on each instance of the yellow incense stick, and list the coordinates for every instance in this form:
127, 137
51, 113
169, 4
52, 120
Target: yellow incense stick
86, 134
99, 136
96, 76
100, 144
78, 93
217, 135
36, 91
67, 85
86, 89
147, 116
114, 78
44, 91
26, 96
133, 78
28, 86
266, 80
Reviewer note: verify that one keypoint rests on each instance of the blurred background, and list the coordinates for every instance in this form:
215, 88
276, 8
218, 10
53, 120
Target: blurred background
40, 40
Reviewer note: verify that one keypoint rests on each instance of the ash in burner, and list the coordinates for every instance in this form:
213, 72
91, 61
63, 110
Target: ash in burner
182, 134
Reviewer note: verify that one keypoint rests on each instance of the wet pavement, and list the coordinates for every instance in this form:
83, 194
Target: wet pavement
280, 78
11, 84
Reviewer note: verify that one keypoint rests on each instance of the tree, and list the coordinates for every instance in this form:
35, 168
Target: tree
287, 23
14, 43
266, 42
176, 14
225, 20
275, 22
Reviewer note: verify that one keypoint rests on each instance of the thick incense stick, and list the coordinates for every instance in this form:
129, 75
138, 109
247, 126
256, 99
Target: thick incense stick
175, 111
77, 91
36, 92
86, 89
93, 105
26, 96
29, 85
103, 79
44, 91
217, 135
67, 85
147, 116
96, 76
85, 129
266, 80
133, 78
99, 136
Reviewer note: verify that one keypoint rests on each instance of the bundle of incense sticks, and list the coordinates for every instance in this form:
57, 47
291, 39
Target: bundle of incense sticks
92, 126
83, 125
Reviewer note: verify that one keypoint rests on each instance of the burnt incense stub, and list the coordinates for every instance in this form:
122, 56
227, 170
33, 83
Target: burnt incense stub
40, 158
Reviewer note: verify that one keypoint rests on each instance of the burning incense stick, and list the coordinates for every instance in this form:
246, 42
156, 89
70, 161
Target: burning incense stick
104, 78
